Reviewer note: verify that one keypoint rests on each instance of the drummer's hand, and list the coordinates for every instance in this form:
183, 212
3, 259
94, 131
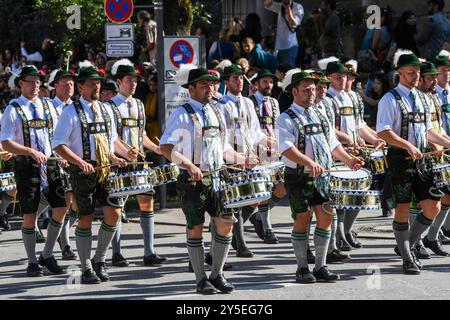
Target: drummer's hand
63, 163
361, 142
86, 167
132, 154
316, 169
195, 172
39, 157
6, 156
355, 163
251, 161
118, 161
380, 143
414, 152
158, 150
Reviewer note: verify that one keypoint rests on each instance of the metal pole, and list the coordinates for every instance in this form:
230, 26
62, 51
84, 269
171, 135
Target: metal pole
159, 9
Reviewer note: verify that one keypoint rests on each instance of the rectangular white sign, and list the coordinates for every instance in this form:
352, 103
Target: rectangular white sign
119, 32
119, 49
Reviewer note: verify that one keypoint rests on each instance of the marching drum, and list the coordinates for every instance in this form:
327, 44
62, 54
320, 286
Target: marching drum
376, 161
129, 183
7, 182
349, 180
355, 199
441, 174
276, 171
247, 188
164, 174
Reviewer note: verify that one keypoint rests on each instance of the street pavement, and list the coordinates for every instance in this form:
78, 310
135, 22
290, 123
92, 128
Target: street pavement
374, 272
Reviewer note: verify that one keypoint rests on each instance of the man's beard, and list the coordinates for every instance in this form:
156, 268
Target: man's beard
267, 92
95, 96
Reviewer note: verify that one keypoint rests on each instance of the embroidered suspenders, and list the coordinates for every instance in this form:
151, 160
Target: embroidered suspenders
35, 123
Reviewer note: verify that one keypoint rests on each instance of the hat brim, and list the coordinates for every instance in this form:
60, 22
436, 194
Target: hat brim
274, 78
41, 77
293, 84
236, 73
430, 73
206, 77
52, 84
92, 77
413, 64
132, 74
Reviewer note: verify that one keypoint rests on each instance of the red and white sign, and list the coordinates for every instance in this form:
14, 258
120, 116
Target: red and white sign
119, 11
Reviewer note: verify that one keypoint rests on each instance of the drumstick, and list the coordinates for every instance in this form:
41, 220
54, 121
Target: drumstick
116, 165
333, 171
426, 154
234, 168
157, 140
385, 158
132, 148
211, 172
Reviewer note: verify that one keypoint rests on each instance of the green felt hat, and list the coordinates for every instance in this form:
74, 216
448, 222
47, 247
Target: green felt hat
89, 73
322, 78
60, 74
428, 69
232, 70
301, 76
264, 73
126, 70
199, 74
30, 70
335, 67
442, 61
408, 60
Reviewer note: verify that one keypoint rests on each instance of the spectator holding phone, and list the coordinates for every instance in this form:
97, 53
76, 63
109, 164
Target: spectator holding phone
290, 15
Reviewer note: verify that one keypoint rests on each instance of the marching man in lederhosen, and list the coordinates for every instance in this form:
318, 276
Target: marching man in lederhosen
28, 126
405, 125
130, 123
87, 138
308, 145
197, 141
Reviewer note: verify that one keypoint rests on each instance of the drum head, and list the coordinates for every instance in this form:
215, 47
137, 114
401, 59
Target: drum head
377, 154
269, 166
348, 175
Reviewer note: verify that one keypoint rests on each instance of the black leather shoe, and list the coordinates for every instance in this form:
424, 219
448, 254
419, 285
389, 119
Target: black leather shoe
337, 256
221, 284
416, 259
89, 277
208, 261
343, 245
303, 275
119, 261
270, 237
325, 275
443, 238
244, 253
446, 232
51, 264
259, 229
68, 254
397, 251
410, 267
154, 259
421, 252
100, 270
33, 270
435, 247
40, 237
205, 287
4, 223
352, 241
310, 256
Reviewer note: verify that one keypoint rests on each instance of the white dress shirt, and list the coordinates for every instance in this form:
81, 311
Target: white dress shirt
288, 134
348, 123
390, 115
180, 132
12, 129
59, 104
285, 38
68, 131
323, 110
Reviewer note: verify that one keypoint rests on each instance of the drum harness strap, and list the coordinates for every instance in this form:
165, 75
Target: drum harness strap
358, 104
87, 129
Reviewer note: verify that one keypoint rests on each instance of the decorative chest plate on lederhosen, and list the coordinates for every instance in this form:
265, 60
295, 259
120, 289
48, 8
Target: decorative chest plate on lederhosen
35, 123
88, 129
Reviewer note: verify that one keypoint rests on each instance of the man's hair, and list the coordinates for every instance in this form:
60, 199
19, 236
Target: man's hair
440, 4
144, 15
283, 67
248, 40
331, 3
